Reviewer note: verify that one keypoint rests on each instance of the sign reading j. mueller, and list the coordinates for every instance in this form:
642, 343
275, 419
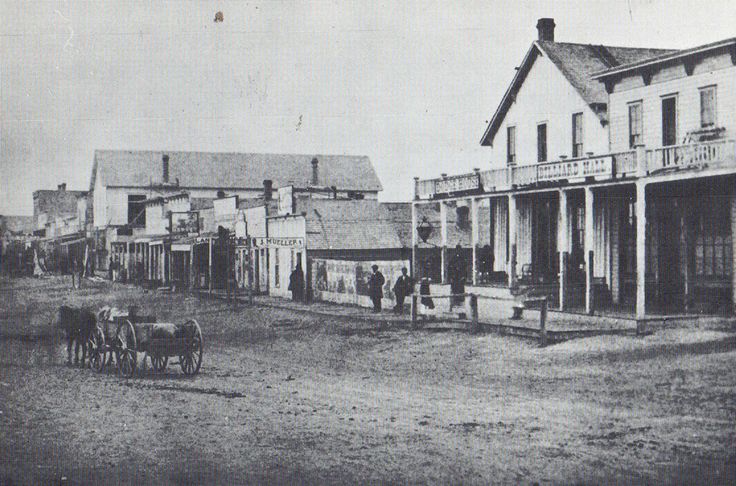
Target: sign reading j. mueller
571, 169
279, 242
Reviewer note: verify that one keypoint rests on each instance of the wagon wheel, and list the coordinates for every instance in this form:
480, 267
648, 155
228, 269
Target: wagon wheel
159, 362
191, 358
126, 355
96, 348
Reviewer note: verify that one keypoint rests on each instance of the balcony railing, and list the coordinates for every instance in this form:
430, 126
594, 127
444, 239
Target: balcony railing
690, 156
638, 163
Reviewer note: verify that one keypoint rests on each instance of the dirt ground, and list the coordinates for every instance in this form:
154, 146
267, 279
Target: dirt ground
285, 397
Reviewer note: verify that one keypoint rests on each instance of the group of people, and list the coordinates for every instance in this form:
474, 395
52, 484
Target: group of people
403, 287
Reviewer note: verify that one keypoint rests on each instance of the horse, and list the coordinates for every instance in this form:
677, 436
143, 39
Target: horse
78, 324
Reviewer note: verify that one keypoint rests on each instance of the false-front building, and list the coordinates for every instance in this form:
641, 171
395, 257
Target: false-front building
612, 182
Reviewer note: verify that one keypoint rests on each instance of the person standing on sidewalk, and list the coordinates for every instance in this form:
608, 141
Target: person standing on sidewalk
404, 286
296, 283
375, 288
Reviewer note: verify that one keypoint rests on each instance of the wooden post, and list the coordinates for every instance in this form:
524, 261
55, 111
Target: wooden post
414, 241
543, 323
474, 313
590, 294
191, 267
512, 217
209, 265
512, 267
589, 244
641, 247
564, 257
414, 310
474, 236
443, 237
563, 247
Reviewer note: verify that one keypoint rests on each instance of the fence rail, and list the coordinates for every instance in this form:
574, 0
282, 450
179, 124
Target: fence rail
691, 155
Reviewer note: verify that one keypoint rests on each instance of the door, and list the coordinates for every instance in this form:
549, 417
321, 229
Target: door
544, 240
669, 121
671, 285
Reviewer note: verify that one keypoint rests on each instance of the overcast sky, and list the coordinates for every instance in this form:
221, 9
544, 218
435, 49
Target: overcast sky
409, 83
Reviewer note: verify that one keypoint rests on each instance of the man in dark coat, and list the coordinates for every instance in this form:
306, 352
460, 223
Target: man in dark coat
296, 283
457, 277
404, 286
375, 288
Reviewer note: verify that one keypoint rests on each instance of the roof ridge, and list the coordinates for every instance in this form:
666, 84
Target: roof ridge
582, 44
287, 154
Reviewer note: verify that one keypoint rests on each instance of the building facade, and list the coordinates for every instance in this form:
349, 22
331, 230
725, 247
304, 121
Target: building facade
610, 187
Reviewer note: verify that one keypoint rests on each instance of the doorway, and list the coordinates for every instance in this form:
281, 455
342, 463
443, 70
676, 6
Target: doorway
669, 121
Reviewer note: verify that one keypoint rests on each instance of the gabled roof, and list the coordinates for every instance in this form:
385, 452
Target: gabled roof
669, 56
339, 224
577, 62
128, 168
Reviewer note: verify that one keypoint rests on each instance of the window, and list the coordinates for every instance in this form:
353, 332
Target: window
669, 121
511, 145
276, 267
708, 107
136, 210
713, 241
577, 135
542, 142
636, 125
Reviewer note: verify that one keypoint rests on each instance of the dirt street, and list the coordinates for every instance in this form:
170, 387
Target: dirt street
284, 397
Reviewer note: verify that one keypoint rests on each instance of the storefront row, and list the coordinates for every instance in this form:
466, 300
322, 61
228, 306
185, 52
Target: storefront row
642, 247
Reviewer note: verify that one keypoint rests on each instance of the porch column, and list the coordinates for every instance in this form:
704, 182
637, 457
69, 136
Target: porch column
191, 267
474, 236
512, 241
209, 265
641, 248
589, 244
443, 237
562, 245
413, 270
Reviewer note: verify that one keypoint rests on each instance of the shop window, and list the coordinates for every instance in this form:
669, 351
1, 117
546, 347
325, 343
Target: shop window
713, 258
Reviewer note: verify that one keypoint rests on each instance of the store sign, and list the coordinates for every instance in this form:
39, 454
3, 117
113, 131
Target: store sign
574, 169
186, 222
296, 243
465, 182
226, 209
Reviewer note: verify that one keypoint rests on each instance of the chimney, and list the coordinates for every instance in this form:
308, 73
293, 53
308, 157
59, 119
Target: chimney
61, 187
546, 29
267, 189
165, 160
315, 171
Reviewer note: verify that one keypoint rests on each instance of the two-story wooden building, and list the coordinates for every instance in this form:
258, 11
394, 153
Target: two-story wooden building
122, 181
581, 135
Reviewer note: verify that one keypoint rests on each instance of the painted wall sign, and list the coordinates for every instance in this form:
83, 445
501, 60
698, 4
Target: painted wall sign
286, 200
465, 182
276, 242
572, 169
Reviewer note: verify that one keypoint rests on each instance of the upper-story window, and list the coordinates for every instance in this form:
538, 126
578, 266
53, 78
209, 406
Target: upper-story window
669, 120
136, 210
542, 142
708, 107
511, 145
636, 126
577, 135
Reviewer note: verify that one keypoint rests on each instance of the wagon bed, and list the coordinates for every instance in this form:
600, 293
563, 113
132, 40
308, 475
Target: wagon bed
124, 336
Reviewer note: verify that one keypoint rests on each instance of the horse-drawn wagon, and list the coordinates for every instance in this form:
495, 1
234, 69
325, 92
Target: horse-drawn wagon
125, 334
